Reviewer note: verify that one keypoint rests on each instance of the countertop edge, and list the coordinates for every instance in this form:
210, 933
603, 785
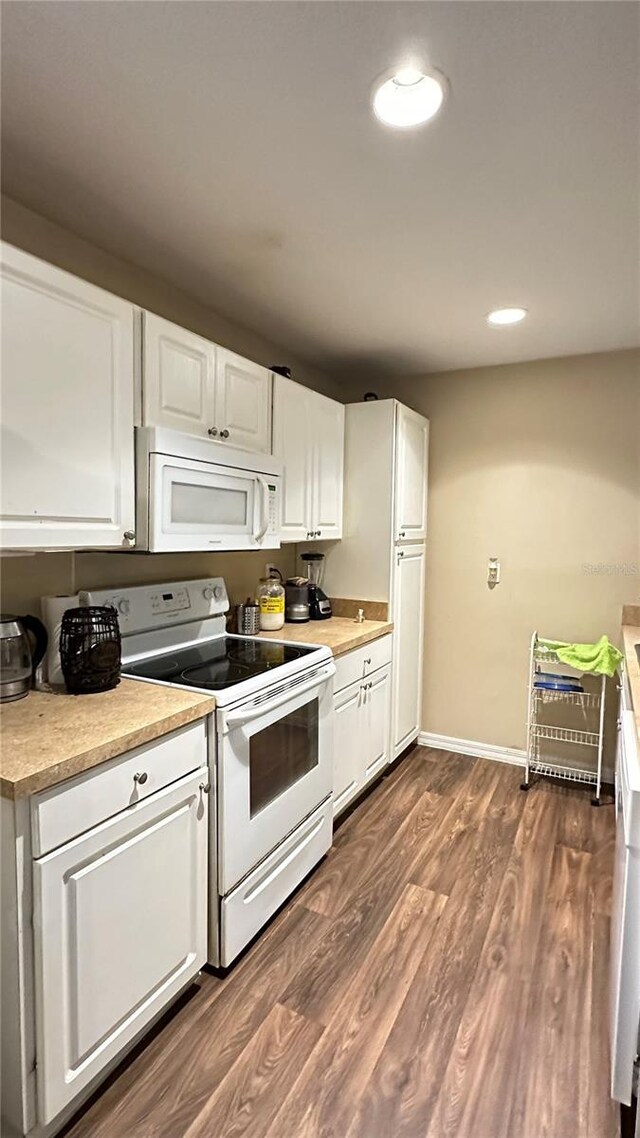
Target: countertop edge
93, 756
363, 638
85, 761
630, 637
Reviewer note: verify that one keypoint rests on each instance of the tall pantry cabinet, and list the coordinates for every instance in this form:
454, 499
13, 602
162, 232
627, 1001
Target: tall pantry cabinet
382, 554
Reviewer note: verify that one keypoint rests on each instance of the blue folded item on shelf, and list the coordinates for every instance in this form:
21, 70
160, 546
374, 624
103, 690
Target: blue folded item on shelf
551, 681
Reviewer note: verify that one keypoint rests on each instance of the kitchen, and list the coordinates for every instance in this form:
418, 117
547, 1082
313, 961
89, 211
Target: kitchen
320, 902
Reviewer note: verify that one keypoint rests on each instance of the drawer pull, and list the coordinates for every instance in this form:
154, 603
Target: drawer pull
140, 777
205, 787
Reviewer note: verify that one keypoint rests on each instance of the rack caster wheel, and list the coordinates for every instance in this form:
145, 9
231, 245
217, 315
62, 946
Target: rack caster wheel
595, 801
524, 785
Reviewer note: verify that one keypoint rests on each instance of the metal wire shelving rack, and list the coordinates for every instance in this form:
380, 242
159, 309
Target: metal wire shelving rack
539, 732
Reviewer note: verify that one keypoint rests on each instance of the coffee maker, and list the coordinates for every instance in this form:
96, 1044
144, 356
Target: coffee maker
319, 603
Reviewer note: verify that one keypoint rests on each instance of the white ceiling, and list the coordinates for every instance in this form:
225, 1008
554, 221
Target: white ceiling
229, 147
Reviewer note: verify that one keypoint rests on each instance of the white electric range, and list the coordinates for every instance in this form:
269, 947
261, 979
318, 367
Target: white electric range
270, 744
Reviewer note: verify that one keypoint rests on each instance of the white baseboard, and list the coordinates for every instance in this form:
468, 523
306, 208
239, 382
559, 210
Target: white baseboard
468, 747
512, 755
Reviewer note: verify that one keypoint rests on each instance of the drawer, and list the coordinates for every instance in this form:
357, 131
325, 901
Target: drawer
78, 804
362, 661
250, 905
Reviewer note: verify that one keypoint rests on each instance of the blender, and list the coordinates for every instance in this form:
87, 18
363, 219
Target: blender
319, 603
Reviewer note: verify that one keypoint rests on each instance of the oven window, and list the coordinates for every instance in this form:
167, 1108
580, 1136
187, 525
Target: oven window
280, 755
193, 504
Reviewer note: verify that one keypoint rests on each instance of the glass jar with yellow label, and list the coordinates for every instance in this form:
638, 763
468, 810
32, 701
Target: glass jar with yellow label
271, 602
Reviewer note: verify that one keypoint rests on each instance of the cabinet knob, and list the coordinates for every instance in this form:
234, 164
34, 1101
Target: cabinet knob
400, 553
140, 777
129, 536
205, 787
224, 434
213, 432
318, 533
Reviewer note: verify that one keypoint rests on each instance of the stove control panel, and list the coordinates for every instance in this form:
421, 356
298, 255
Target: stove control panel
159, 606
170, 600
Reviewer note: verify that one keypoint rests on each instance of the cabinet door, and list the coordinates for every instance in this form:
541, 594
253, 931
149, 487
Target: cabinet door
67, 409
407, 615
178, 378
243, 402
292, 444
120, 923
412, 448
327, 429
376, 732
347, 746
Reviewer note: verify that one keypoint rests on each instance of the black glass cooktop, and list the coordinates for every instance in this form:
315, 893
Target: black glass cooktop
216, 664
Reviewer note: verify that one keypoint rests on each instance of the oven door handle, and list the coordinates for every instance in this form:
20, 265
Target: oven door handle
235, 718
264, 498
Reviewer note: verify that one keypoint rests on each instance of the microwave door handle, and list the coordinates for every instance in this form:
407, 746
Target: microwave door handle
234, 718
264, 499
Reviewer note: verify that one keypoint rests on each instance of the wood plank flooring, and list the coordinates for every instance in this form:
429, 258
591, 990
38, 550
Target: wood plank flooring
442, 974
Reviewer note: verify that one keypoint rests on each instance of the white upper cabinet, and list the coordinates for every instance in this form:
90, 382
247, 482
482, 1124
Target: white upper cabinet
327, 429
308, 435
243, 401
191, 385
412, 448
67, 410
291, 444
178, 377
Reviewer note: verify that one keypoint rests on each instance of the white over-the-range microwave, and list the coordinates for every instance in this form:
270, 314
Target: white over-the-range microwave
192, 494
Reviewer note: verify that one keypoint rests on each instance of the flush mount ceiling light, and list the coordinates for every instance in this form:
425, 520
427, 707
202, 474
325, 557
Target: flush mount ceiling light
409, 97
503, 316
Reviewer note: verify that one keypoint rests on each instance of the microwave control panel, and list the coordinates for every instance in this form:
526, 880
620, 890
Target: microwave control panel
273, 508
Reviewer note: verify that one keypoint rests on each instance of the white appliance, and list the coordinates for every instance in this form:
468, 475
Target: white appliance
193, 494
270, 744
382, 554
625, 915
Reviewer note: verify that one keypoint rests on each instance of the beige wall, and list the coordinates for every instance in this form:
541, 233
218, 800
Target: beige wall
24, 579
538, 464
43, 238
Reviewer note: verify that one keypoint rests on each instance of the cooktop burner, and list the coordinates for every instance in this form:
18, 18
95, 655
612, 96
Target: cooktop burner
216, 664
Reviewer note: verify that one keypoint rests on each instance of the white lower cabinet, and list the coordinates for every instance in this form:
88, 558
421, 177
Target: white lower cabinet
120, 927
362, 718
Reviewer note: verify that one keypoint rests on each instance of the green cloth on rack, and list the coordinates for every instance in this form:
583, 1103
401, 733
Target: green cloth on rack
602, 658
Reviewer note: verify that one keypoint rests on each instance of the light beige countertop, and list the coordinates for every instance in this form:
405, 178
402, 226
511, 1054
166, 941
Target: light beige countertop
339, 633
46, 738
631, 637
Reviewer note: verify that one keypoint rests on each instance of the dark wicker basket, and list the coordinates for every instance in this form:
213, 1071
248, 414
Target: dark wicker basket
90, 649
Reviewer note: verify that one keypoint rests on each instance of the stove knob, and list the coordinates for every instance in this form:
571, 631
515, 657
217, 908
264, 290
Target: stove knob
208, 593
124, 606
218, 592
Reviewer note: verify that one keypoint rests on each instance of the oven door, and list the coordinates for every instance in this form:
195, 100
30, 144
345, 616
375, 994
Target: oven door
198, 505
275, 766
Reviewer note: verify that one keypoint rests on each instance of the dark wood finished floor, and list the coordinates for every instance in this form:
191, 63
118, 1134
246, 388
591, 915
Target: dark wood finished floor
443, 974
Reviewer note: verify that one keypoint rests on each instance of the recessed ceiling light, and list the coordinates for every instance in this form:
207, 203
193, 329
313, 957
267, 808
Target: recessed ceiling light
501, 316
409, 98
